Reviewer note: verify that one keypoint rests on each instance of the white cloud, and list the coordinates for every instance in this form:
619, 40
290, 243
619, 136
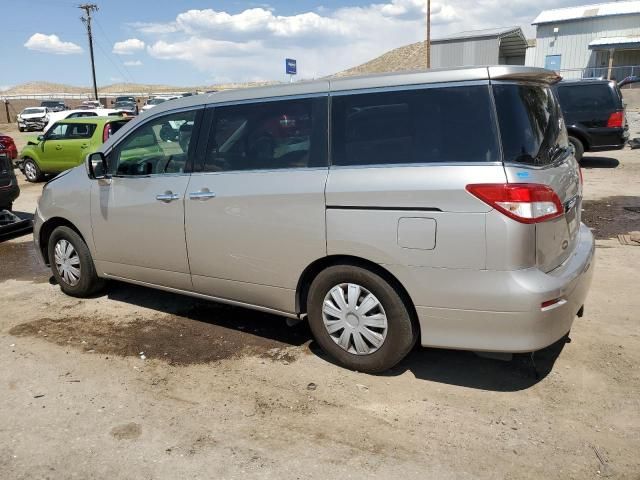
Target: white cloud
51, 44
133, 63
254, 42
128, 47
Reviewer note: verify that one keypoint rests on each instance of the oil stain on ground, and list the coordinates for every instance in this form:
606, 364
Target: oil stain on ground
611, 216
178, 340
21, 261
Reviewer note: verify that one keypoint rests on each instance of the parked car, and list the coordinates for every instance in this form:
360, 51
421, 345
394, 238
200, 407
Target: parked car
54, 105
80, 113
152, 102
90, 105
66, 144
33, 118
9, 189
594, 115
125, 98
631, 79
411, 235
9, 147
126, 107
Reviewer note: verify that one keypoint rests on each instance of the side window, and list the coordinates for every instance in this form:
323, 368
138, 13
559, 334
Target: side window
268, 135
76, 131
160, 146
435, 125
57, 131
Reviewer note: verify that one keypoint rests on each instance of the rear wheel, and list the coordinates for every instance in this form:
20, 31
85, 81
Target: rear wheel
72, 264
359, 319
31, 171
578, 147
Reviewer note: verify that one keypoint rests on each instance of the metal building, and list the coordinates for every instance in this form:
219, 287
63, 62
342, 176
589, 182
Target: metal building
601, 40
505, 46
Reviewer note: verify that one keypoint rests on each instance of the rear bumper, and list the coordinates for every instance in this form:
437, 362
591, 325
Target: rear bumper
500, 310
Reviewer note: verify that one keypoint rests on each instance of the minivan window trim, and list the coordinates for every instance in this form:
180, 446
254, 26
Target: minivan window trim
417, 86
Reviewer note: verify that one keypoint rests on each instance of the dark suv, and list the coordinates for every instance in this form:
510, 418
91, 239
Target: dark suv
9, 189
594, 114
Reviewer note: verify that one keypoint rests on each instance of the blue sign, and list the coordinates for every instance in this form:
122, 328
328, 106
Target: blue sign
291, 66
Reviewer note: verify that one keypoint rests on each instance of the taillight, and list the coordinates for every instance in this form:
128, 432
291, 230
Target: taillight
106, 132
523, 202
616, 120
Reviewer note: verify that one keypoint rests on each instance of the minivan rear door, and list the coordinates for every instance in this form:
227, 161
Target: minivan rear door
536, 150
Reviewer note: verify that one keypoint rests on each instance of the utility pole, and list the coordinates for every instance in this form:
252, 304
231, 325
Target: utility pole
88, 8
428, 34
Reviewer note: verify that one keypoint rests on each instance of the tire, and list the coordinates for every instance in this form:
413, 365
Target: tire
21, 129
578, 147
31, 171
86, 281
397, 339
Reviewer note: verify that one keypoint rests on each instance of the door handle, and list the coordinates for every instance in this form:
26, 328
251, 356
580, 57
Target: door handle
58, 147
167, 197
204, 194
84, 145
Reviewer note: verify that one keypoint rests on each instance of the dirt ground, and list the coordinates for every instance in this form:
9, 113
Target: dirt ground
142, 384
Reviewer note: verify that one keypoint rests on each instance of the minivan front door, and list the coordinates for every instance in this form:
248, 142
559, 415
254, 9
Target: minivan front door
138, 214
255, 214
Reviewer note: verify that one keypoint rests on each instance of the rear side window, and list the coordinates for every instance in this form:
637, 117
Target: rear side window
435, 125
267, 136
113, 127
580, 98
531, 125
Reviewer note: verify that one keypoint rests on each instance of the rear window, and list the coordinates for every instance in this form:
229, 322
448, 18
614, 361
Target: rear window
579, 98
531, 125
435, 125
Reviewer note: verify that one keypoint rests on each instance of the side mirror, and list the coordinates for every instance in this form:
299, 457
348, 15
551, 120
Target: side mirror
40, 138
97, 167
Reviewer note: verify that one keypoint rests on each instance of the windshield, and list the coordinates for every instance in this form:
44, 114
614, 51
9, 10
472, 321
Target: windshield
125, 105
29, 111
531, 124
156, 101
51, 104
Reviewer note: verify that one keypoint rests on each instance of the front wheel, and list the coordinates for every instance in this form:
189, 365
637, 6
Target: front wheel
32, 172
359, 319
72, 264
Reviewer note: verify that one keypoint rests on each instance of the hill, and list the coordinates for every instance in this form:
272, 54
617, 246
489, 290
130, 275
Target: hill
41, 87
405, 58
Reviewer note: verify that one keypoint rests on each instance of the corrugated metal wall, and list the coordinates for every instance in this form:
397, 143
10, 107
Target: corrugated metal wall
465, 53
572, 41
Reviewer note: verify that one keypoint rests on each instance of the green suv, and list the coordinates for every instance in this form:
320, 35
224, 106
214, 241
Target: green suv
65, 145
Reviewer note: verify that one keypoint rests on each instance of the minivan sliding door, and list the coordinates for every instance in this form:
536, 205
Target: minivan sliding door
255, 213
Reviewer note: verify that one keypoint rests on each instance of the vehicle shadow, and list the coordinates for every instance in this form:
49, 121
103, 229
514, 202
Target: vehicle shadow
599, 162
454, 367
246, 321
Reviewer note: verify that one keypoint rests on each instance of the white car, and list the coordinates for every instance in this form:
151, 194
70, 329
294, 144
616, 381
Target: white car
152, 102
96, 112
33, 118
90, 104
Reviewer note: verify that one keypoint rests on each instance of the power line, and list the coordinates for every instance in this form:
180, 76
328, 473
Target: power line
104, 33
88, 8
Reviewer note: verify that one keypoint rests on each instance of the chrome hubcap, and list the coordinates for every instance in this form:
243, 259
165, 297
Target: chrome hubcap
30, 170
67, 262
354, 319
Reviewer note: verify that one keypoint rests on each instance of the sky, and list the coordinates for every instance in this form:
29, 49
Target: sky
197, 42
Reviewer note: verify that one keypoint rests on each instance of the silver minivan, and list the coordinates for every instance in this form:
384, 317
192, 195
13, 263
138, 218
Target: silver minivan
441, 207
